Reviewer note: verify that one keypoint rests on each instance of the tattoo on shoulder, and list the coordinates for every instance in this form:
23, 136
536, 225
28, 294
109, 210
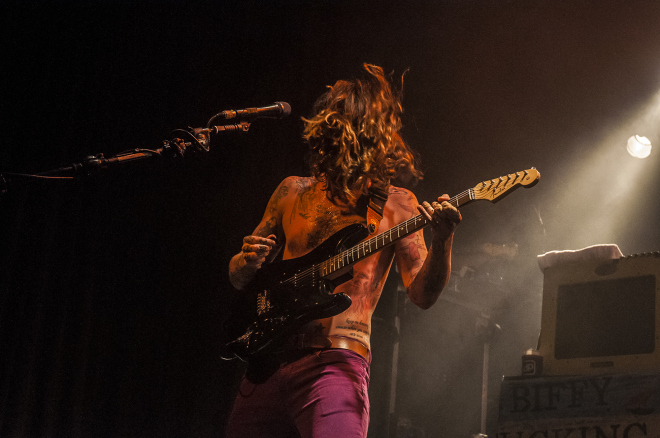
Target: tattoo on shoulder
401, 195
397, 191
404, 200
280, 193
304, 188
407, 208
300, 182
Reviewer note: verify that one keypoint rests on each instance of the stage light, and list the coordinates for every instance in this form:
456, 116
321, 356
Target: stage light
639, 147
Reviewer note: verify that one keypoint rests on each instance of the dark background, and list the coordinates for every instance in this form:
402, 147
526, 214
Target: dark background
112, 287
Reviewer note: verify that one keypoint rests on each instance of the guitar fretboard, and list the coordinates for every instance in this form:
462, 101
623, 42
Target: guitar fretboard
371, 246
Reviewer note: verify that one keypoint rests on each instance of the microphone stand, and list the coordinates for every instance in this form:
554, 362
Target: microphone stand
195, 139
486, 331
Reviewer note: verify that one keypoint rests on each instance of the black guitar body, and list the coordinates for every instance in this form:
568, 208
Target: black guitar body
287, 294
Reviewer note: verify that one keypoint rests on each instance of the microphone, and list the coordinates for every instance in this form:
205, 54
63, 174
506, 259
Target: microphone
279, 110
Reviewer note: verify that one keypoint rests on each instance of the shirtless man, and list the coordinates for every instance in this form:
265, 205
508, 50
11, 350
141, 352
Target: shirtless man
319, 387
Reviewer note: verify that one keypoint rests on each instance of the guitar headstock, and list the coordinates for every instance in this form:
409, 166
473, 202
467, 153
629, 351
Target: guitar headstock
495, 189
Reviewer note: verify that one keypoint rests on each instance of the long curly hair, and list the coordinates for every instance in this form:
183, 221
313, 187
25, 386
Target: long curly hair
354, 137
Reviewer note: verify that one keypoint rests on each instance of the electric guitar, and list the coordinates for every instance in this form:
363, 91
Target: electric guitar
287, 294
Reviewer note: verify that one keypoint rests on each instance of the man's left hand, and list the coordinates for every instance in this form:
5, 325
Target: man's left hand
443, 216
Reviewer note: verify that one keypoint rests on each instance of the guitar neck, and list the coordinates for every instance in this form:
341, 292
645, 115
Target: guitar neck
339, 263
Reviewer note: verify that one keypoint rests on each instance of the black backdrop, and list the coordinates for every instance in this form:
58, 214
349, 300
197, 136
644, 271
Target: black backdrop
112, 287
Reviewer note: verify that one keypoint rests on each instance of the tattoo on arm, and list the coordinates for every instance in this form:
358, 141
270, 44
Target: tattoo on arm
411, 255
270, 227
271, 219
413, 251
413, 246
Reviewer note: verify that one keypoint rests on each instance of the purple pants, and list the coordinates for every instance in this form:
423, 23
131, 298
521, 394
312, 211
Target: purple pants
322, 394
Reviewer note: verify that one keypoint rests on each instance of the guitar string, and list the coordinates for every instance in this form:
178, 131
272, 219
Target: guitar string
338, 259
307, 276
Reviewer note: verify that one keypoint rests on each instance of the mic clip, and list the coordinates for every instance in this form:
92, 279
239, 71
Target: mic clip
202, 136
201, 133
241, 126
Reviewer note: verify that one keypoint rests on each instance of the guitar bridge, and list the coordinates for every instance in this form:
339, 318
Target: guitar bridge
263, 303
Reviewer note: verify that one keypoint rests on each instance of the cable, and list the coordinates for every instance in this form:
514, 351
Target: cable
25, 175
133, 151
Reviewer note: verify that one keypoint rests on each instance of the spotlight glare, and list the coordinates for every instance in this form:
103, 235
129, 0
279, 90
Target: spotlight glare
639, 147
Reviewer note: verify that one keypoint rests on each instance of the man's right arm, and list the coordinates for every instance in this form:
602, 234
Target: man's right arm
264, 243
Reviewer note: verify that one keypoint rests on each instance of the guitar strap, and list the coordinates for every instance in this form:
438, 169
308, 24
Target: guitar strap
377, 200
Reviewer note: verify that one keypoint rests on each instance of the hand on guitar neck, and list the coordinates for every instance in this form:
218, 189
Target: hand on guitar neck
443, 216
